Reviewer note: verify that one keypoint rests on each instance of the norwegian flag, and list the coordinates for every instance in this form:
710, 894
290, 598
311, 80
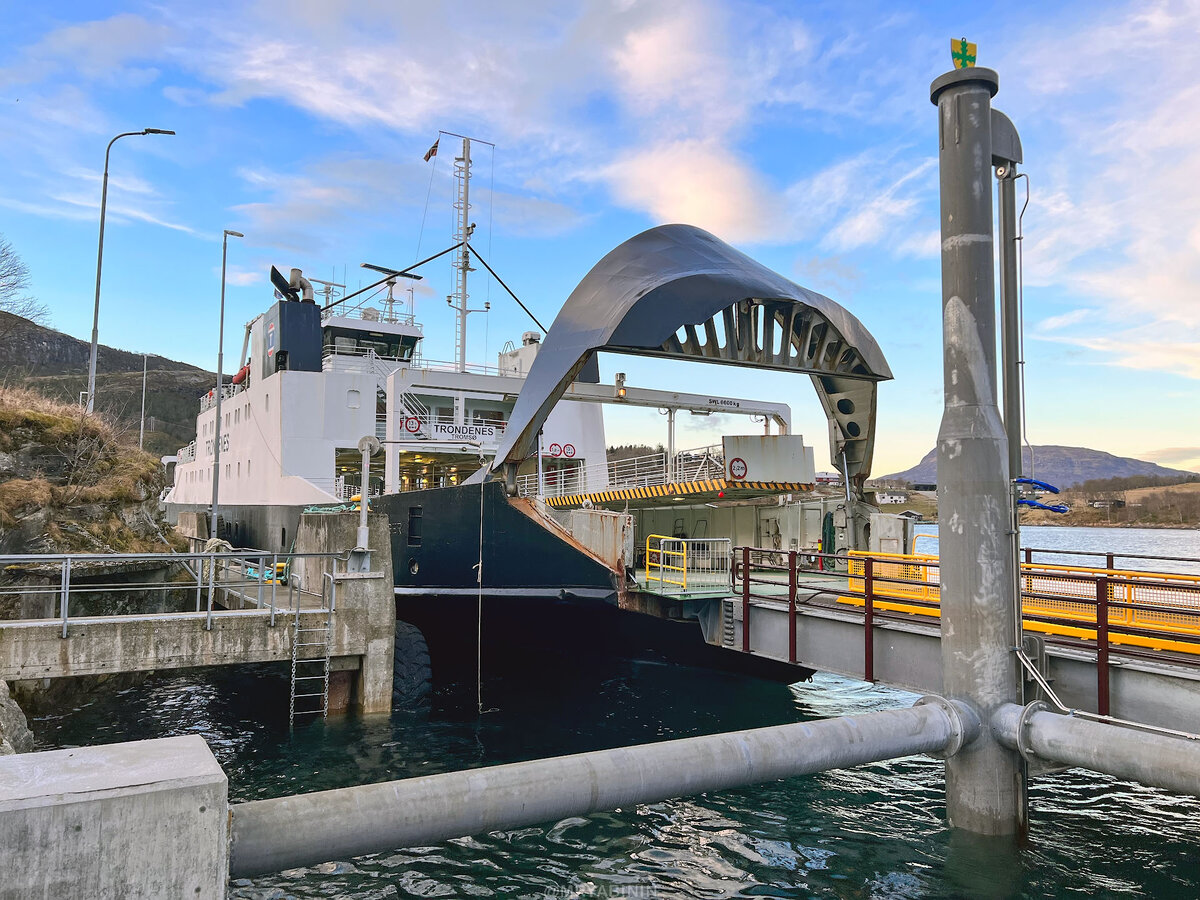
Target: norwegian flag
432, 152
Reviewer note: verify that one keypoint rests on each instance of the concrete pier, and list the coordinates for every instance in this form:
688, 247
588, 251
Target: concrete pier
145, 819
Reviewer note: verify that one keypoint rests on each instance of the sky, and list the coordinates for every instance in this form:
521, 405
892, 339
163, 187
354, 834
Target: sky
801, 133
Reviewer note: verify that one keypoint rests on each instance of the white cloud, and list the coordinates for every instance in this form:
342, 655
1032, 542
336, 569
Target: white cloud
245, 277
97, 49
1115, 198
1154, 353
699, 183
1068, 318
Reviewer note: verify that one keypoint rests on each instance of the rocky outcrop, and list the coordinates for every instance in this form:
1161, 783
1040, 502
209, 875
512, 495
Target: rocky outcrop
15, 736
70, 482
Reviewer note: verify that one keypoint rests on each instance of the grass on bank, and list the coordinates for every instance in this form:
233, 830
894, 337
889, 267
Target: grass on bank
64, 459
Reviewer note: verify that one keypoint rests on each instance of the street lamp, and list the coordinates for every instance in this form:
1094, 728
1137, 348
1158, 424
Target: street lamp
216, 476
91, 386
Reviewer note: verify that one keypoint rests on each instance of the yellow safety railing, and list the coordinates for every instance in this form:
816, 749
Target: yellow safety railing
1157, 601
671, 564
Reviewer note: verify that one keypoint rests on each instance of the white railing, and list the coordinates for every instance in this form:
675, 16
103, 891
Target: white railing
440, 365
374, 314
186, 454
210, 399
636, 471
687, 565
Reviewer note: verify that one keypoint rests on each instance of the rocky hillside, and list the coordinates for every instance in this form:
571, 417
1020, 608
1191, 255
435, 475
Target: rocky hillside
1063, 467
69, 482
55, 364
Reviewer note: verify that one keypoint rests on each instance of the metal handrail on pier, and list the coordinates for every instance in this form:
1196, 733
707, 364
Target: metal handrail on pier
1134, 614
259, 579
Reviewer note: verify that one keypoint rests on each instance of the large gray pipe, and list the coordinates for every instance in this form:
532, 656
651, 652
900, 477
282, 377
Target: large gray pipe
1161, 760
271, 835
985, 789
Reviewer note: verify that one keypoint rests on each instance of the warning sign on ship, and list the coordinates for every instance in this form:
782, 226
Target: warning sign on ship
412, 424
556, 450
738, 468
568, 450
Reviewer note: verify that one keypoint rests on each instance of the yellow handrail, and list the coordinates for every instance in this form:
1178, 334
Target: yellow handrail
1162, 602
655, 559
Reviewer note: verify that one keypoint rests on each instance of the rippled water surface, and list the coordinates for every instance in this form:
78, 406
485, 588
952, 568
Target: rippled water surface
876, 831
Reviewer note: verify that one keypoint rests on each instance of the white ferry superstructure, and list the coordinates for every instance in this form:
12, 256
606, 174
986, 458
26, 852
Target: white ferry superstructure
314, 382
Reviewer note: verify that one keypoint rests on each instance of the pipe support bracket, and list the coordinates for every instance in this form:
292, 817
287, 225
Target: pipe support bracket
964, 723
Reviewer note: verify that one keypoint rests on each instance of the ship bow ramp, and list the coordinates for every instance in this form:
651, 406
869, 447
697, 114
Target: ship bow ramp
678, 292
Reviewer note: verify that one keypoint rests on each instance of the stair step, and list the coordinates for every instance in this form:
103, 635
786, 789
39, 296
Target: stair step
302, 696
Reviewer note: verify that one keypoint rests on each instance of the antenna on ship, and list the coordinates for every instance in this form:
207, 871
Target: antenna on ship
330, 290
390, 302
463, 230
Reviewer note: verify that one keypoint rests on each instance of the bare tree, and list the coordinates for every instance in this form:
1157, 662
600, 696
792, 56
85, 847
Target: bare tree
15, 300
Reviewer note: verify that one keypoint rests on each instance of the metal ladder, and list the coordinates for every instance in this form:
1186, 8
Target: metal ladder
310, 672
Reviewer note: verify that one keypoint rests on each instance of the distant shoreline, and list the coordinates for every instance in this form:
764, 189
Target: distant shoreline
1157, 526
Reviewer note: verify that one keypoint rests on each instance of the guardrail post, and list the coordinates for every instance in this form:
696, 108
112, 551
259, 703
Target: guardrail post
791, 606
1109, 560
64, 599
868, 620
1029, 556
274, 584
745, 599
212, 574
199, 563
1102, 645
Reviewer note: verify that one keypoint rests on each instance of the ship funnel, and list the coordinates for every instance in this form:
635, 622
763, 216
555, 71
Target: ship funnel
297, 280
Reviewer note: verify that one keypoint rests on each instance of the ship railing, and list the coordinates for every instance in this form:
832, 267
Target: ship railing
186, 454
688, 565
216, 583
209, 400
440, 365
373, 314
650, 470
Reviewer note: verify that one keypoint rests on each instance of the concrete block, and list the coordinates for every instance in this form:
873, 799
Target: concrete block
140, 819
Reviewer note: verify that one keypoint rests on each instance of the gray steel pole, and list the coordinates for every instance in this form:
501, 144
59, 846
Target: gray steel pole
1160, 760
271, 835
985, 784
216, 475
91, 385
142, 423
1010, 311
1010, 347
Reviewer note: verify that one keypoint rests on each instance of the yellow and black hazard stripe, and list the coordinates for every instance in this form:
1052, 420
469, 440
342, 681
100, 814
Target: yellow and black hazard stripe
706, 486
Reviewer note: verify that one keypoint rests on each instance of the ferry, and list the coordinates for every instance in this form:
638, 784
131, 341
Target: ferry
513, 455
314, 378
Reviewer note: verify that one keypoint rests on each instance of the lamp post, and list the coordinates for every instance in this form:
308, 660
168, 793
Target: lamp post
216, 476
142, 424
91, 385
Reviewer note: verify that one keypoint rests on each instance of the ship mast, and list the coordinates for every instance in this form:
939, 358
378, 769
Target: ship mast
463, 226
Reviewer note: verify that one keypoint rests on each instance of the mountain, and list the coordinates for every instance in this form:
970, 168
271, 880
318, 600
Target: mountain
1062, 467
55, 365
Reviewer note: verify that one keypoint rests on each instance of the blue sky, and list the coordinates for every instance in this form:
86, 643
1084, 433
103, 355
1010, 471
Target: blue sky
801, 133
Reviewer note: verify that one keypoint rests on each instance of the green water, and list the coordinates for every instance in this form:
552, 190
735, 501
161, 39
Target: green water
877, 831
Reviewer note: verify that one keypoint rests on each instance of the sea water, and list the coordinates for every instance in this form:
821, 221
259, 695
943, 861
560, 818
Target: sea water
875, 831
